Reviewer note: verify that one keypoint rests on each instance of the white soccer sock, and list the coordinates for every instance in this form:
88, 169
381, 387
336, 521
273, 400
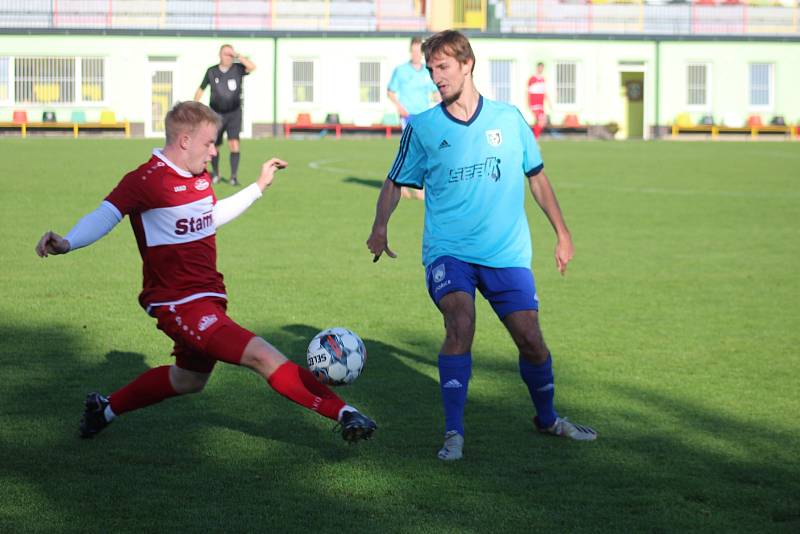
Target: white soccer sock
109, 414
345, 408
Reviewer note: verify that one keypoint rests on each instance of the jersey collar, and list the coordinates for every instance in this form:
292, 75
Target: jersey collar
157, 153
471, 119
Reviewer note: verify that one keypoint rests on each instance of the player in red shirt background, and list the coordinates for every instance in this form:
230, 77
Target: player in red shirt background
537, 95
174, 215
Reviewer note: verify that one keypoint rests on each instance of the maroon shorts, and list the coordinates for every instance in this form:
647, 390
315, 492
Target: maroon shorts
203, 334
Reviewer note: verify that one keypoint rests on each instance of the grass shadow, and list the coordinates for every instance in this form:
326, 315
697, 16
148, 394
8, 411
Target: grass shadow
367, 182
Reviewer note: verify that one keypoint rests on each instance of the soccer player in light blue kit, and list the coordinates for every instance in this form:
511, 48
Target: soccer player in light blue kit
471, 154
410, 90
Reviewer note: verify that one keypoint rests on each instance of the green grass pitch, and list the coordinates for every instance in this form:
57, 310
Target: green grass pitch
675, 333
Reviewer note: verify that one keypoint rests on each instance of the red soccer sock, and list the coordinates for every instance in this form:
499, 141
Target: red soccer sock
537, 130
299, 385
149, 388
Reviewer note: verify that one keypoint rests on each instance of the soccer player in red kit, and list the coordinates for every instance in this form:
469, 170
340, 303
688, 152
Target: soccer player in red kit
175, 215
536, 98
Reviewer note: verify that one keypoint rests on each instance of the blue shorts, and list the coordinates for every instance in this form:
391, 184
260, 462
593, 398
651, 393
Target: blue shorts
507, 289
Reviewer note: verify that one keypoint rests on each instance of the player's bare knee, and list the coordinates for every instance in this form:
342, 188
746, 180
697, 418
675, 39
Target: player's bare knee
460, 327
185, 382
533, 350
262, 357
459, 332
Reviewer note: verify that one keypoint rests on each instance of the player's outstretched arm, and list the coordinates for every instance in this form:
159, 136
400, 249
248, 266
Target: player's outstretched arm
378, 241
231, 207
51, 243
546, 198
198, 94
90, 228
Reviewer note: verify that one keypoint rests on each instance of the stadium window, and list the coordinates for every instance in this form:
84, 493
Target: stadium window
500, 82
761, 85
369, 82
44, 80
55, 80
92, 79
5, 77
567, 82
697, 85
303, 81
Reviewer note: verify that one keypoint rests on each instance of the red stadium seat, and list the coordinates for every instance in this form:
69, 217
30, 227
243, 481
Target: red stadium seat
19, 117
303, 119
754, 121
571, 121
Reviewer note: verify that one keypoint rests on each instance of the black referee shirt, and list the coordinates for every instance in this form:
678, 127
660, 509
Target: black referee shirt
226, 87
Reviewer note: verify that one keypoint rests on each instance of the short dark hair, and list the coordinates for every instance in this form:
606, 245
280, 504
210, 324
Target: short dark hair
540, 64
416, 40
451, 43
187, 117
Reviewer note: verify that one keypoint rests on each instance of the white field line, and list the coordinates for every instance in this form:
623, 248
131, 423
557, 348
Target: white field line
323, 165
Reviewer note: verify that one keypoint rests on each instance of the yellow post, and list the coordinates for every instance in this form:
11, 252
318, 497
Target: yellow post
127, 129
24, 130
440, 16
641, 14
162, 18
75, 130
794, 15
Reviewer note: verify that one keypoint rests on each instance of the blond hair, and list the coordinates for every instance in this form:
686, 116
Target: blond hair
186, 117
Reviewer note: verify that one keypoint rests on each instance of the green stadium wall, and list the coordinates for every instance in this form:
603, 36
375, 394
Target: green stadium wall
602, 66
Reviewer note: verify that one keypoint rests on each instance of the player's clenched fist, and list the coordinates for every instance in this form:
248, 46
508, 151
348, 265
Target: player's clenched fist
268, 171
51, 243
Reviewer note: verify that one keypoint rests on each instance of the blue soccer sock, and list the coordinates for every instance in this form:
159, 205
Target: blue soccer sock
539, 379
454, 373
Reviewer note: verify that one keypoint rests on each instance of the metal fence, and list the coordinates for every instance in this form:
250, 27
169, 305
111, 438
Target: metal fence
214, 15
656, 17
640, 17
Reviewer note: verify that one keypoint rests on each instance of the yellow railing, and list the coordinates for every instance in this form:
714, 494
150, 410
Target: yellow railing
470, 14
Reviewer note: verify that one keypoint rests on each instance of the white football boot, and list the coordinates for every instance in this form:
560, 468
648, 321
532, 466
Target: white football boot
568, 429
453, 448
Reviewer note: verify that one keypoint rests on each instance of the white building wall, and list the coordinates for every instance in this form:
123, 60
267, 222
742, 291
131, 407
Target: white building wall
336, 73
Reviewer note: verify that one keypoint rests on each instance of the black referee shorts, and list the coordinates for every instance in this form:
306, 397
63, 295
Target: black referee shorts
231, 125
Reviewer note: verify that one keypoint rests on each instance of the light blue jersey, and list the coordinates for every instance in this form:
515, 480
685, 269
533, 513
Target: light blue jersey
473, 175
413, 87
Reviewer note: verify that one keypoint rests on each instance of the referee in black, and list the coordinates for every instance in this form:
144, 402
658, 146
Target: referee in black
226, 81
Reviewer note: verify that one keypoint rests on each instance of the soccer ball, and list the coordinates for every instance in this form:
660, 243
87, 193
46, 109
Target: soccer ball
336, 356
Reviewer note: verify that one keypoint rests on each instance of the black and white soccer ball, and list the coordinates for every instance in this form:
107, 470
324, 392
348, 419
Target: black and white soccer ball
336, 356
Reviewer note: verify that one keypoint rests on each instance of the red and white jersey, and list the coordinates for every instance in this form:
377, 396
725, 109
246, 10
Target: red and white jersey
536, 91
171, 213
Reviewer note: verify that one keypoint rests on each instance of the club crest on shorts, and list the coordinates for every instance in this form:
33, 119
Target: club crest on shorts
494, 137
206, 321
438, 273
